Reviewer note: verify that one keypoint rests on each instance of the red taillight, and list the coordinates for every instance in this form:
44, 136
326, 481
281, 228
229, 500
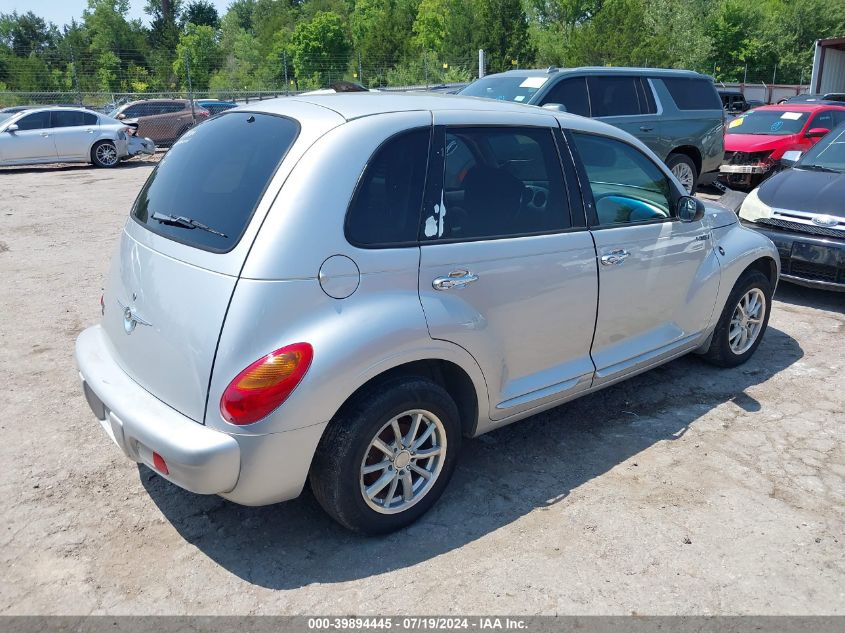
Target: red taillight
160, 464
265, 384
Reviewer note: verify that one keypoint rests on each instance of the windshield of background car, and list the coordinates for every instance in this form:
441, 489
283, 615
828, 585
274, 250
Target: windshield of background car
829, 152
214, 175
505, 87
769, 122
5, 115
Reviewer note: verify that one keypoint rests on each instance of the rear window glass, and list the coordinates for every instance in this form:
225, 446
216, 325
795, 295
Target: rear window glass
693, 94
214, 176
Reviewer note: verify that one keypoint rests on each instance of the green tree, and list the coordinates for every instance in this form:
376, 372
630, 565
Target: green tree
503, 33
201, 13
197, 51
321, 50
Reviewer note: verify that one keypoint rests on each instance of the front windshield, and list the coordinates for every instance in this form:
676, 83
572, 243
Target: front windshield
769, 122
505, 87
828, 153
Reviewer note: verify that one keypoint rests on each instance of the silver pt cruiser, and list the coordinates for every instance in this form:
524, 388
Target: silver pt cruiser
356, 282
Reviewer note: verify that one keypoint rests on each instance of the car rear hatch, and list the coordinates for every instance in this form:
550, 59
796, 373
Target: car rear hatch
185, 243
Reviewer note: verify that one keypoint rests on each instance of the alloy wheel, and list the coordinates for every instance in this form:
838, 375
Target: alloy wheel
747, 321
106, 154
683, 172
403, 461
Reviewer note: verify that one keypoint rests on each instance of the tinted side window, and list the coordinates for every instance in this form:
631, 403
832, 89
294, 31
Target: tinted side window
512, 185
223, 193
133, 111
691, 93
613, 96
627, 186
386, 207
572, 94
65, 118
34, 121
823, 119
168, 108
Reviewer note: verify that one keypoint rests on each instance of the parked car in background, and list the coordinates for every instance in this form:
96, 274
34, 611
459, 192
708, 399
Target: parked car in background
676, 113
66, 135
802, 211
733, 101
755, 103
756, 140
275, 315
215, 106
836, 97
162, 120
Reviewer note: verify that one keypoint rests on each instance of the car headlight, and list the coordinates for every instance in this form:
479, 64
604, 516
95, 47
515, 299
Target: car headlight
753, 209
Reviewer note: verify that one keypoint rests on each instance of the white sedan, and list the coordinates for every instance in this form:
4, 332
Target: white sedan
62, 135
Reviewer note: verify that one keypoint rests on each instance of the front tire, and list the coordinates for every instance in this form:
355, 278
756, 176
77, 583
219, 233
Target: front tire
387, 456
684, 169
104, 154
743, 321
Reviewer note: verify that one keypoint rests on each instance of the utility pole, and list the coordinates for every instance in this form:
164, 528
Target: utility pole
190, 87
360, 70
285, 64
481, 63
75, 77
745, 74
774, 74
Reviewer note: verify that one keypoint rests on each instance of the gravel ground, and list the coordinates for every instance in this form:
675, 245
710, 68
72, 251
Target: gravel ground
685, 490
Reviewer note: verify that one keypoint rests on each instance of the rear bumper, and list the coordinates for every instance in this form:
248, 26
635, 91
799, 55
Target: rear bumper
247, 469
198, 458
807, 260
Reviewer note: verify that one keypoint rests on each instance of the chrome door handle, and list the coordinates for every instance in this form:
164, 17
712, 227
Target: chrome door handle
614, 257
645, 128
456, 279
44, 134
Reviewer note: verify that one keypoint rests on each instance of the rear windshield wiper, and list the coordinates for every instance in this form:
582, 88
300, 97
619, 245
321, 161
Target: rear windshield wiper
818, 168
188, 223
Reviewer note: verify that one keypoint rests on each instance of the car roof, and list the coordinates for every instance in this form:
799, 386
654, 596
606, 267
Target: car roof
353, 105
599, 70
803, 107
58, 107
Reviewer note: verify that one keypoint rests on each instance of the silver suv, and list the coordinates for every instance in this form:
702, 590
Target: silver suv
359, 281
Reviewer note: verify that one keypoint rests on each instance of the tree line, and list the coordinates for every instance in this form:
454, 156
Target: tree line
267, 44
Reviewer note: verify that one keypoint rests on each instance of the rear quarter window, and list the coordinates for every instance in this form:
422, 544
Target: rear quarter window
214, 175
691, 93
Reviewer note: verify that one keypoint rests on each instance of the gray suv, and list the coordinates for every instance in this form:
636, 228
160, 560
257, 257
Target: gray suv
676, 113
357, 282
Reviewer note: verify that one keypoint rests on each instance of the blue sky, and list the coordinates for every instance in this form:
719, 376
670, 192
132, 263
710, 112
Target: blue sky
61, 11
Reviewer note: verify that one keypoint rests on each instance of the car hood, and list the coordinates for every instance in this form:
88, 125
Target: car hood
810, 191
756, 142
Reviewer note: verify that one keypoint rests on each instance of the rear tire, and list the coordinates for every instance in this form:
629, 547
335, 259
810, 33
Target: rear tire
104, 154
372, 479
684, 169
743, 322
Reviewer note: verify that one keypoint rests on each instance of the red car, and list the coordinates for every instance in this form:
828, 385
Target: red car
756, 140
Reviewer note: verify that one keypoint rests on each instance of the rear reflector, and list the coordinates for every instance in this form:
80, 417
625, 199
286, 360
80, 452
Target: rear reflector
160, 464
265, 384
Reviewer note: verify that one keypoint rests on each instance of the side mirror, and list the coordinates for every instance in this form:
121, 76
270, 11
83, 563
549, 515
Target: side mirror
790, 158
690, 209
556, 107
817, 132
12, 128
121, 116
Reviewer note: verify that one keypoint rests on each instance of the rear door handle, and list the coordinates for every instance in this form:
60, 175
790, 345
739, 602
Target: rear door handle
614, 257
456, 279
44, 134
645, 128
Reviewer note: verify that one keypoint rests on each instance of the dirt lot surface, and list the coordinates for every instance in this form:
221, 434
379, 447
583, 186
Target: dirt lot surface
685, 490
